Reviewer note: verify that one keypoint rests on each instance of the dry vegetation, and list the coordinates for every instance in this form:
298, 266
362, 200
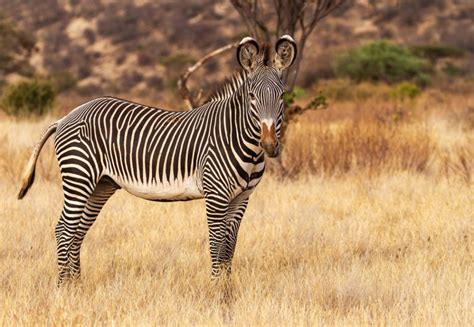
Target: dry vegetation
374, 226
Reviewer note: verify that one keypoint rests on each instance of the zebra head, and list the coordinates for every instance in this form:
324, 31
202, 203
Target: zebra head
265, 87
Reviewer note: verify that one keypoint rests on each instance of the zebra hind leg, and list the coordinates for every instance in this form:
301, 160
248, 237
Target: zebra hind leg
77, 217
103, 191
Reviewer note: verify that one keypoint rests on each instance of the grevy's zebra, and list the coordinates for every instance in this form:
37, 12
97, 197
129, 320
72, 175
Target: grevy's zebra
215, 151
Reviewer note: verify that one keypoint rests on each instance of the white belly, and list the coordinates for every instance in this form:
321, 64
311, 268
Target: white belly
177, 190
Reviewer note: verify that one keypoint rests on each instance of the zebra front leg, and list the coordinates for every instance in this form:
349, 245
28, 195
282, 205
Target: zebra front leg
224, 222
233, 219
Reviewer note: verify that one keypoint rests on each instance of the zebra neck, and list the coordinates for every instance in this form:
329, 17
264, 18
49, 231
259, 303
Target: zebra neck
241, 116
233, 99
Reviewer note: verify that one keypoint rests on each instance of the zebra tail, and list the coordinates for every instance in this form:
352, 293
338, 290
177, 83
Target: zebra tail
29, 174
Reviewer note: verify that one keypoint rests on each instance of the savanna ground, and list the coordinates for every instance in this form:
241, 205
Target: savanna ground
371, 224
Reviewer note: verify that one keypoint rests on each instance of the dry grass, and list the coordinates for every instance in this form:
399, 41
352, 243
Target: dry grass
381, 234
369, 147
432, 135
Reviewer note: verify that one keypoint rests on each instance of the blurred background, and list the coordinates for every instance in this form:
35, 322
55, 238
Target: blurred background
366, 71
365, 218
138, 48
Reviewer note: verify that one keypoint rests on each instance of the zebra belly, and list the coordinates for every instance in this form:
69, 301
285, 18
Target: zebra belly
176, 190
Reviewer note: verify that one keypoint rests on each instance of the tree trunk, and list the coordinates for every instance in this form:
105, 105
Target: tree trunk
290, 79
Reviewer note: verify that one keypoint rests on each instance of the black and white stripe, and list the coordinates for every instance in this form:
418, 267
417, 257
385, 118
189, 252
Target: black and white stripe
210, 152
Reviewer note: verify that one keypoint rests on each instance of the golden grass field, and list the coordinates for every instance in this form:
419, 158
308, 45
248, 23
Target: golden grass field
374, 226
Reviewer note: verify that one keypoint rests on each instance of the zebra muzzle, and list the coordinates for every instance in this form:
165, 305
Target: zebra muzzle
269, 140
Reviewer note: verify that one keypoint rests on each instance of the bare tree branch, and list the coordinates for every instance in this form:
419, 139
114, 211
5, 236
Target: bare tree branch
291, 16
190, 101
251, 15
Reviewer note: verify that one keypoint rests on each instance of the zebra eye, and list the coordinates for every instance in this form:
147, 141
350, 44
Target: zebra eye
282, 96
252, 96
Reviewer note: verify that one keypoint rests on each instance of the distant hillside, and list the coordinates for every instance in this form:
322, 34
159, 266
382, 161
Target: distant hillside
140, 47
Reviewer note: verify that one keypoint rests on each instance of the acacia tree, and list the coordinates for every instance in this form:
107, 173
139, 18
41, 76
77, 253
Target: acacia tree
294, 17
266, 21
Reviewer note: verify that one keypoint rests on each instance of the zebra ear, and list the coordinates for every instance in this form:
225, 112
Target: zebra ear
285, 52
247, 53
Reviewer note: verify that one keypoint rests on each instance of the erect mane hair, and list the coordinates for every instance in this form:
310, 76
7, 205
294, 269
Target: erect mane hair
225, 89
232, 84
265, 54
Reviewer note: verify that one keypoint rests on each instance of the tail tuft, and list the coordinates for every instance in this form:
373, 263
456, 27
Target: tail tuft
27, 180
29, 175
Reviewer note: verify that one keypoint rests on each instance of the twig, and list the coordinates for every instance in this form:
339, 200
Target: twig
183, 88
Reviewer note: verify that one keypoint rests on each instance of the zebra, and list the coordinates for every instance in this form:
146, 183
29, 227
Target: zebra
215, 151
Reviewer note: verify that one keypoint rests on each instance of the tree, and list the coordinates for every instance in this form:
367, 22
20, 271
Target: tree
188, 97
292, 17
297, 18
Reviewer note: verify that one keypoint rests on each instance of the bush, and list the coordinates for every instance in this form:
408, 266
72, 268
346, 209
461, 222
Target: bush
452, 70
405, 91
380, 61
290, 96
434, 52
319, 101
28, 97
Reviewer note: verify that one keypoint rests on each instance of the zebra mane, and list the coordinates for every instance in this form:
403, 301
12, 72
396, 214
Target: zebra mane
231, 85
228, 87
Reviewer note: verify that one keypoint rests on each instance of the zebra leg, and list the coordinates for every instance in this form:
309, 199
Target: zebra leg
79, 184
232, 223
224, 222
65, 231
103, 191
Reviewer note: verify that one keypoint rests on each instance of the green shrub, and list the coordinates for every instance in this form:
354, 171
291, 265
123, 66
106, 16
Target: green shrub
423, 79
290, 96
28, 97
452, 70
434, 52
318, 102
405, 90
380, 61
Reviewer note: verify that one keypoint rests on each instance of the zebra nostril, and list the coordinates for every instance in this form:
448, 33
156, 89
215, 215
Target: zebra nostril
270, 147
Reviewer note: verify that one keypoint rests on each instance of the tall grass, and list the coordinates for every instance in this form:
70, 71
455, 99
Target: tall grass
392, 249
365, 147
369, 136
372, 225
